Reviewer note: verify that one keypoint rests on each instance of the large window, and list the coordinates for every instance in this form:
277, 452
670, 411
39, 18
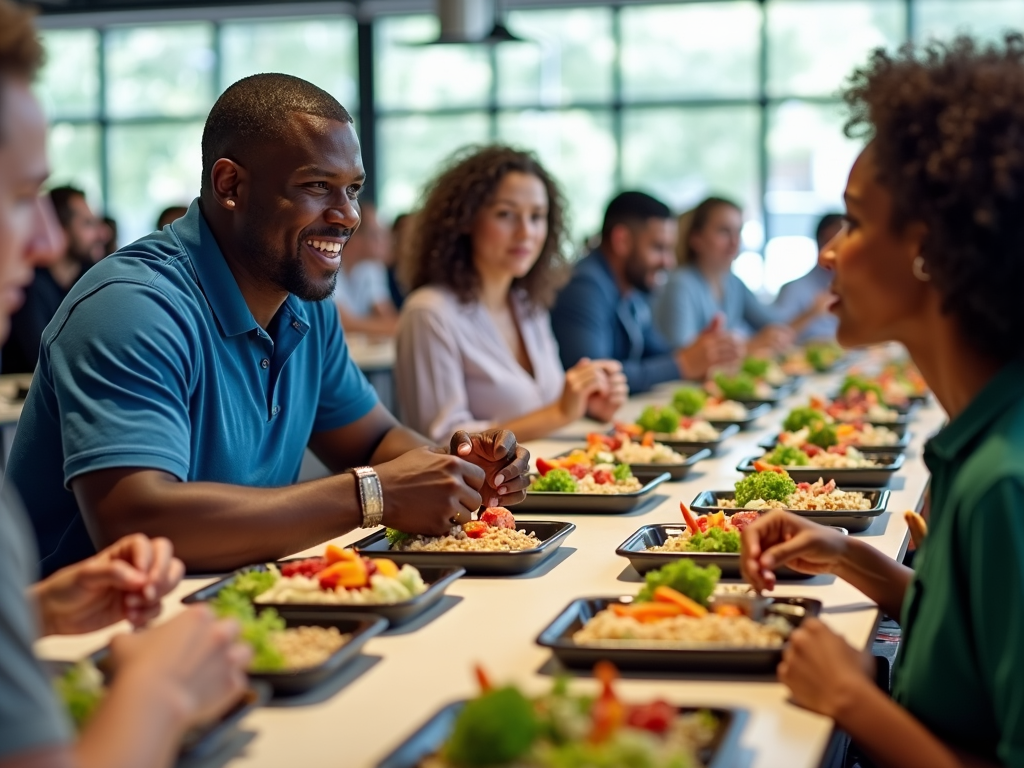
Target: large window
728, 97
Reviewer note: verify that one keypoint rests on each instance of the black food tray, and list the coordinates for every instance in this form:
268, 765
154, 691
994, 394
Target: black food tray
361, 626
551, 535
729, 430
899, 445
753, 414
558, 637
428, 739
201, 741
866, 477
591, 503
853, 520
636, 550
675, 471
437, 579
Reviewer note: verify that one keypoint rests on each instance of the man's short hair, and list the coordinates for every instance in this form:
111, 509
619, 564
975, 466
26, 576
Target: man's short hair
61, 198
826, 223
21, 52
252, 111
632, 208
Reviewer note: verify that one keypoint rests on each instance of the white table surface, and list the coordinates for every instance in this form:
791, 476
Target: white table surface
404, 678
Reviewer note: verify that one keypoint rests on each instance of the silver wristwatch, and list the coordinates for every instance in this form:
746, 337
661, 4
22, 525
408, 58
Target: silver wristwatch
371, 496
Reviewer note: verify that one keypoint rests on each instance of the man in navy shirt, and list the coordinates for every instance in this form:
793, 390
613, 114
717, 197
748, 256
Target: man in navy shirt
182, 378
604, 312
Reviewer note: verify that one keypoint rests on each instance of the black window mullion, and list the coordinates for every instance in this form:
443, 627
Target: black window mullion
617, 116
367, 105
763, 162
101, 62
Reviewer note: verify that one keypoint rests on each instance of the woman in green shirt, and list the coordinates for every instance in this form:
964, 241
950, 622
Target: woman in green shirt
932, 256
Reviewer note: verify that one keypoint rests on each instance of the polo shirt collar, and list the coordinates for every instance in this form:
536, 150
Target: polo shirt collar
215, 279
995, 397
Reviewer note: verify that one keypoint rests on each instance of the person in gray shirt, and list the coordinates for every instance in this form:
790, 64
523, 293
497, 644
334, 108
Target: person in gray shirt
167, 680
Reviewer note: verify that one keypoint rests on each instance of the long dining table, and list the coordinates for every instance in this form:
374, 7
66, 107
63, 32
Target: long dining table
406, 675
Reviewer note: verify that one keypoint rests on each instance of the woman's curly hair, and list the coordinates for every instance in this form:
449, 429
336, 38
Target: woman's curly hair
442, 250
946, 124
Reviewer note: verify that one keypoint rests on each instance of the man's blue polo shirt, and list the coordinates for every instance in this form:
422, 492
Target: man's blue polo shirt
154, 360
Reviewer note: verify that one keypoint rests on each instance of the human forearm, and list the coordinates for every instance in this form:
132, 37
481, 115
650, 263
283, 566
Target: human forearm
215, 526
879, 577
892, 736
397, 441
139, 725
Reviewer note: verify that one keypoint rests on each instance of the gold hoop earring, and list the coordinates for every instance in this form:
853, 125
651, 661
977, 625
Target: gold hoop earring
918, 269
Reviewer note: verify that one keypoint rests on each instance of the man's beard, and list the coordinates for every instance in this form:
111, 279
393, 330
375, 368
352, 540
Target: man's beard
288, 273
637, 274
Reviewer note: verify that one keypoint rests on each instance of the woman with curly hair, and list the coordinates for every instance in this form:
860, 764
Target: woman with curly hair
932, 256
474, 341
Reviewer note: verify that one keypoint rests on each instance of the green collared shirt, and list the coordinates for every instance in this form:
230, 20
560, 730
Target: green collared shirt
961, 667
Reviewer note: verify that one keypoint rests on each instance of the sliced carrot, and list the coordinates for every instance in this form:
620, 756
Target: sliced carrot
647, 441
482, 678
647, 612
728, 609
668, 596
691, 521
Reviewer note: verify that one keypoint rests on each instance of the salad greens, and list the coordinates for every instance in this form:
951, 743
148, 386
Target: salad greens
822, 356
258, 630
787, 456
802, 417
253, 583
756, 367
823, 435
662, 420
493, 729
81, 689
768, 486
742, 386
555, 481
689, 400
622, 472
857, 383
684, 576
714, 540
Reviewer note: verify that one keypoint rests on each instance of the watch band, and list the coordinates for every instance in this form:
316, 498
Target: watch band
371, 496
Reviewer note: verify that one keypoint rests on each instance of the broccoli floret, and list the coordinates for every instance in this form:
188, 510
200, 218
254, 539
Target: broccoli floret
714, 540
787, 456
756, 367
663, 420
622, 472
494, 729
81, 689
395, 537
739, 387
689, 400
683, 576
555, 481
823, 435
767, 486
823, 356
799, 418
860, 384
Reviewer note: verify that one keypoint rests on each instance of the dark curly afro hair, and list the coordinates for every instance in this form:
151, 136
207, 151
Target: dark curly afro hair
946, 122
442, 253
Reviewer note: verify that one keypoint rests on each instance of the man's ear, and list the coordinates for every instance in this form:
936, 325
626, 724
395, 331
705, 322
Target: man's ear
621, 240
230, 184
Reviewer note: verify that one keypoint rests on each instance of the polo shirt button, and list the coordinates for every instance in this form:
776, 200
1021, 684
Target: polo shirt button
264, 363
296, 326
277, 409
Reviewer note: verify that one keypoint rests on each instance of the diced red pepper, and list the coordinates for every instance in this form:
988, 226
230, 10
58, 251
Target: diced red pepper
811, 450
482, 679
764, 466
310, 566
544, 466
603, 477
578, 471
655, 717
498, 517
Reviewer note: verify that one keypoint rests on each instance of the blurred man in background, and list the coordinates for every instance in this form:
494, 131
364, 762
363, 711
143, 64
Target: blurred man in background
604, 312
170, 214
86, 236
362, 294
811, 291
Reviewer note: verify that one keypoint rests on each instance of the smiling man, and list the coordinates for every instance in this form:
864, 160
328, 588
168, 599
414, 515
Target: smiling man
182, 378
